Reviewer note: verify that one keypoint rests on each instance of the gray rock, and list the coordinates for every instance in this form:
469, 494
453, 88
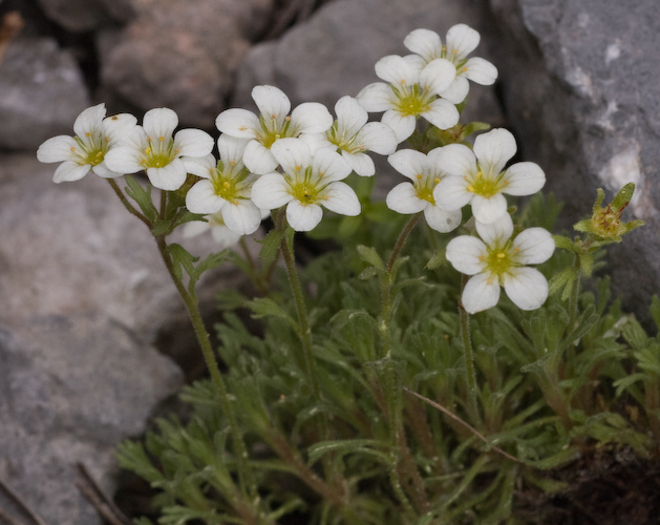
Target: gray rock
580, 84
182, 54
334, 52
42, 93
87, 15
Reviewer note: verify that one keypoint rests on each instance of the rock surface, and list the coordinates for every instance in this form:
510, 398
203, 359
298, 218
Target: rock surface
87, 15
580, 85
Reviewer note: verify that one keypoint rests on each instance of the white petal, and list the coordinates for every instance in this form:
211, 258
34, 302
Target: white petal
340, 198
270, 191
377, 137
467, 254
224, 236
442, 114
160, 122
402, 125
103, 171
496, 233
409, 162
351, 116
232, 149
202, 198
89, 121
451, 193
316, 141
480, 71
454, 159
292, 154
425, 43
457, 90
526, 287
201, 166
403, 199
376, 97
56, 149
330, 165
238, 122
193, 143
437, 75
494, 149
481, 293
524, 178
533, 246
117, 127
170, 177
395, 70
303, 218
124, 159
461, 41
489, 209
241, 217
70, 171
258, 159
311, 117
194, 228
360, 163
442, 221
272, 103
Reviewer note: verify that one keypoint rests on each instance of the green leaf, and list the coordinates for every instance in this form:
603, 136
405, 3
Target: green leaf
564, 243
561, 280
181, 258
370, 256
439, 259
270, 246
369, 272
161, 227
635, 335
587, 263
655, 311
348, 446
266, 307
188, 216
142, 197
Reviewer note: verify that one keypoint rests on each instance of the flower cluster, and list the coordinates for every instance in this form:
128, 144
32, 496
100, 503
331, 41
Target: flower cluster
299, 159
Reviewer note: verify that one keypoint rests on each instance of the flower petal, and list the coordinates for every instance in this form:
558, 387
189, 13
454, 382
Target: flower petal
403, 199
303, 218
496, 233
457, 90
455, 159
258, 159
396, 70
351, 116
330, 165
488, 209
480, 71
340, 198
360, 163
425, 43
442, 221
170, 177
194, 228
524, 178
480, 293
232, 149
409, 162
103, 171
193, 143
461, 41
272, 103
494, 149
311, 117
202, 198
442, 114
89, 121
201, 166
377, 137
402, 125
437, 75
238, 122
70, 171
124, 159
451, 193
160, 122
242, 216
57, 149
376, 97
526, 287
292, 154
271, 191
467, 254
533, 246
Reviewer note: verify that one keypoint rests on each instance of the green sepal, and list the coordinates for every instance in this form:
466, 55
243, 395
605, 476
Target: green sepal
564, 242
142, 197
439, 259
369, 255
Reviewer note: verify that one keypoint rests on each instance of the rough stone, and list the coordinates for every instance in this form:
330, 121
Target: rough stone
181, 54
334, 52
87, 15
580, 86
42, 93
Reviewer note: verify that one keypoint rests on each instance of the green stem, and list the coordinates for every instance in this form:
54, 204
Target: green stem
575, 294
470, 371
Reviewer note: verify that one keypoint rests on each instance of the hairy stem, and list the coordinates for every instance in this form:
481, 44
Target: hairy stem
470, 371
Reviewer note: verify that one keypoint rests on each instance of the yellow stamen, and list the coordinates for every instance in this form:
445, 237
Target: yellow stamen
470, 187
147, 151
419, 176
161, 138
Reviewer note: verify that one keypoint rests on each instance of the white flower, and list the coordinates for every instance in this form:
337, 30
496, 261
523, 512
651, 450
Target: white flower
498, 261
225, 237
477, 177
351, 136
413, 90
155, 148
307, 182
461, 41
422, 170
272, 124
95, 136
225, 186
